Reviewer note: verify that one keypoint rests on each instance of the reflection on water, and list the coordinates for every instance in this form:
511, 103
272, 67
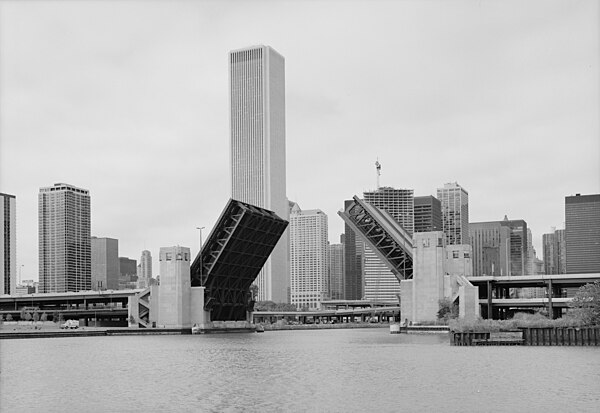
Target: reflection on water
320, 370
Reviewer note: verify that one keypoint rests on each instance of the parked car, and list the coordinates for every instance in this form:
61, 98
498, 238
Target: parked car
70, 324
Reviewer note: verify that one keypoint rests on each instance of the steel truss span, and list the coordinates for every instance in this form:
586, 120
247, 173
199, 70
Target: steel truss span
383, 234
233, 255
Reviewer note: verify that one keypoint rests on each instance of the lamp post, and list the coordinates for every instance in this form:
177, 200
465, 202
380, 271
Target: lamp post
200, 250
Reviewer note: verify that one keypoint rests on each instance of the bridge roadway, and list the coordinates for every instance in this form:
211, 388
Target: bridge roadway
108, 305
495, 297
345, 315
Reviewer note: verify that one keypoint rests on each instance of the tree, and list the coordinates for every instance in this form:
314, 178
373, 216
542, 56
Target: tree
36, 316
27, 317
1, 318
586, 304
448, 310
9, 317
44, 317
55, 316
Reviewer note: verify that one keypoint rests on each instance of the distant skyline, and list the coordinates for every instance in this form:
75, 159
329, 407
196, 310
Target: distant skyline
129, 100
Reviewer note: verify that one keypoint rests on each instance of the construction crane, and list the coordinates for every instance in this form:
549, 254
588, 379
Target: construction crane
378, 171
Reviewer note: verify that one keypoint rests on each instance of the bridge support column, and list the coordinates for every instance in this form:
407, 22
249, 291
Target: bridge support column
489, 300
550, 308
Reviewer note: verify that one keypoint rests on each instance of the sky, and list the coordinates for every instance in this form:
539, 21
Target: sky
129, 99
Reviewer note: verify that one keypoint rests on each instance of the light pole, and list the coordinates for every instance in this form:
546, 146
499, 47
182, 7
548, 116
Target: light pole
200, 250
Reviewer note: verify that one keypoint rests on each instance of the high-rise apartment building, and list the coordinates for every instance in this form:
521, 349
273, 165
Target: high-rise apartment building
428, 214
380, 283
105, 263
64, 239
399, 203
258, 171
144, 269
8, 244
518, 245
582, 233
455, 213
309, 257
555, 252
336, 271
353, 262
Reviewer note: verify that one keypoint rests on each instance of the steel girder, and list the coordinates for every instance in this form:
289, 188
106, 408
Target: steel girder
386, 237
233, 255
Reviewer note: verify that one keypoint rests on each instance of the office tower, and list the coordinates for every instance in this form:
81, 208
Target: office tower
582, 233
428, 214
555, 252
144, 269
380, 283
64, 239
455, 213
127, 273
309, 257
529, 261
258, 174
336, 271
499, 247
353, 262
105, 263
399, 203
518, 245
8, 244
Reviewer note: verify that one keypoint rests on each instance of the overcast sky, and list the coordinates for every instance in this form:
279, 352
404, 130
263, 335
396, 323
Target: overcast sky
129, 99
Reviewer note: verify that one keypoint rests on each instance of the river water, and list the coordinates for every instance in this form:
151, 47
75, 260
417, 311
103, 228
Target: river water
358, 370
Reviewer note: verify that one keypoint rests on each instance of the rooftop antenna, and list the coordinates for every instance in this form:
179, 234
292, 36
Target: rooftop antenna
378, 170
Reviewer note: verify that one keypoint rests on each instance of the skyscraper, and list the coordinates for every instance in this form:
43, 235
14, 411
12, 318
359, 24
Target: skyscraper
582, 233
380, 283
144, 269
353, 262
455, 213
8, 244
336, 271
555, 252
309, 257
428, 214
258, 173
499, 247
105, 263
64, 239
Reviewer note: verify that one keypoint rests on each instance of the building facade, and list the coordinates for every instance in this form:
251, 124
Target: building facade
64, 239
127, 273
582, 233
309, 258
499, 247
258, 169
105, 263
8, 244
427, 214
336, 271
353, 262
455, 213
555, 252
144, 269
380, 283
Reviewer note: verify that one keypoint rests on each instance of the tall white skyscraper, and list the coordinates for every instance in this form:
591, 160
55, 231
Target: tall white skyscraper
309, 257
455, 213
257, 126
64, 239
8, 244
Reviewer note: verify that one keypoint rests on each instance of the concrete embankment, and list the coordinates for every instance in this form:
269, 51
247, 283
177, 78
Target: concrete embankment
410, 329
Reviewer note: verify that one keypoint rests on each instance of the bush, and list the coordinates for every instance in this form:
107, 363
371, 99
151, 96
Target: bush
520, 320
586, 304
44, 317
9, 317
448, 310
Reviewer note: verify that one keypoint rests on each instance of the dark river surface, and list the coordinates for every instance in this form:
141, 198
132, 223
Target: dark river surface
357, 370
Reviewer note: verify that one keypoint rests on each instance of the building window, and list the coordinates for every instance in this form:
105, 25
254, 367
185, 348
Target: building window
454, 254
168, 256
467, 255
